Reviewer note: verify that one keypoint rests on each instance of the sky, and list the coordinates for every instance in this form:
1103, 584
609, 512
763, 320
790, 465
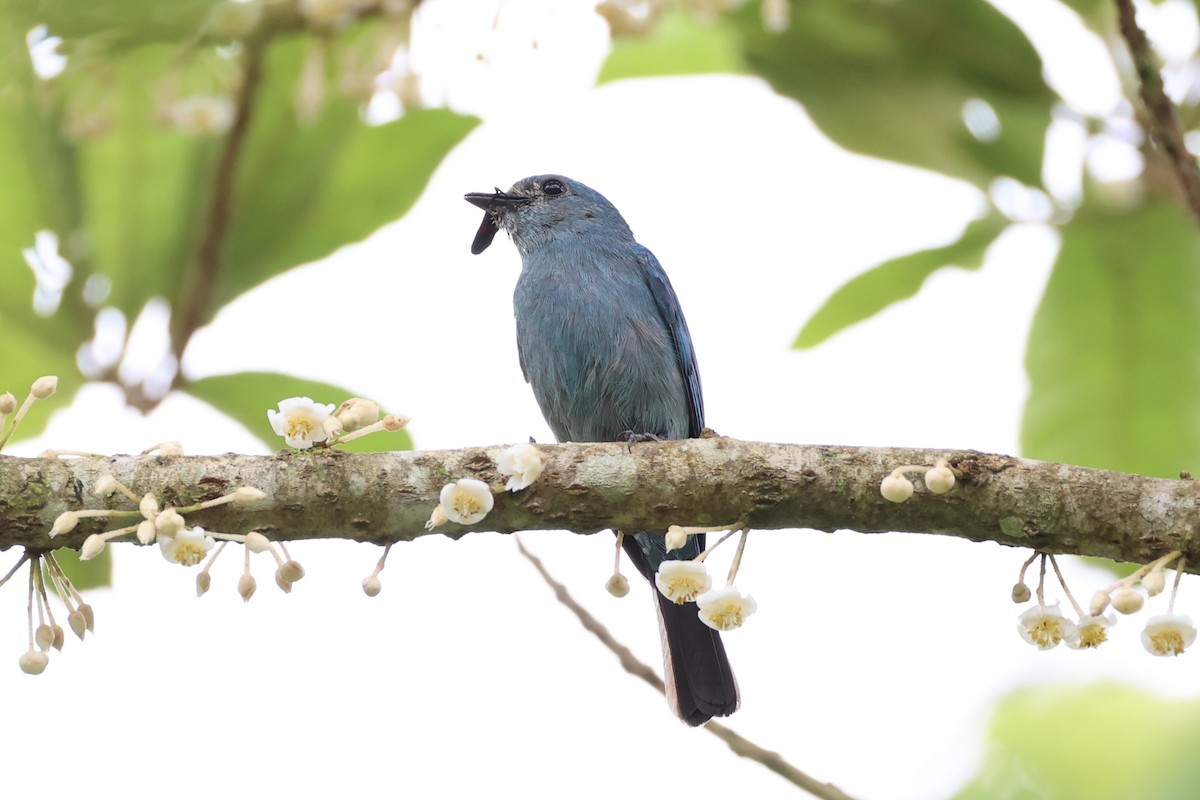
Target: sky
873, 661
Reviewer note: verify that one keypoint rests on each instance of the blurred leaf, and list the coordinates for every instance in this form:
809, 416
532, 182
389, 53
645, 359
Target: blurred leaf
894, 280
306, 190
113, 22
246, 397
1101, 742
891, 80
92, 574
681, 44
1112, 352
146, 185
26, 356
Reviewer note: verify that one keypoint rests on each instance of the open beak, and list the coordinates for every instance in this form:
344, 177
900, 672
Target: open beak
494, 206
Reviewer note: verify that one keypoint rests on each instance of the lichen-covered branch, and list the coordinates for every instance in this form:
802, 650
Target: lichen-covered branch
585, 488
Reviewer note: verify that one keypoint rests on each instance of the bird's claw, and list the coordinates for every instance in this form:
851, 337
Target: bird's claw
629, 437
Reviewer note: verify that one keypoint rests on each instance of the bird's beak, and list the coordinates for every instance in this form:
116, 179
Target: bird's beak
494, 206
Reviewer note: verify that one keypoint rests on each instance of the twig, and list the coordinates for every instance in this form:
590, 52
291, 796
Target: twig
1164, 123
629, 662
196, 288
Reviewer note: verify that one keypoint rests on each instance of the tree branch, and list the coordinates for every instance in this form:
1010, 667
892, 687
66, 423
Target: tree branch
1164, 122
585, 488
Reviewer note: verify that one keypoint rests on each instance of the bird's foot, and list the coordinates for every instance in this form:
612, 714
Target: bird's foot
629, 437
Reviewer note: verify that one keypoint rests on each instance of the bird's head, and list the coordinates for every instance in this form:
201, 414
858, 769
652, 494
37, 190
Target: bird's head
539, 209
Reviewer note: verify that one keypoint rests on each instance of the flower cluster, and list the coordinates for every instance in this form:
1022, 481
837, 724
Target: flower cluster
1045, 626
686, 580
302, 422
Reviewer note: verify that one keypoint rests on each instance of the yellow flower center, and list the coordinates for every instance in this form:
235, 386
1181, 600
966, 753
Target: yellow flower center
188, 553
1046, 633
1092, 636
685, 588
1167, 642
300, 426
466, 504
729, 617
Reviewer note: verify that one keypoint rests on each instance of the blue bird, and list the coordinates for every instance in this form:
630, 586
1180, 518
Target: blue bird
604, 345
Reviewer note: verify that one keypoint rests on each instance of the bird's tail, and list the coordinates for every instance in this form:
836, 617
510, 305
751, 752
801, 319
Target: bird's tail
700, 682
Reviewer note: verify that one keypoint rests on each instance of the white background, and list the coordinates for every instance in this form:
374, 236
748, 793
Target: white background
873, 661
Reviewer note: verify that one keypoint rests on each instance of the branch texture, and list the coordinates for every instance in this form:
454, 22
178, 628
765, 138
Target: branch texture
585, 488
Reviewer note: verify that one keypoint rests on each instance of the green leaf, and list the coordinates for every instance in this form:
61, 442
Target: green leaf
146, 185
92, 574
894, 280
890, 79
1112, 352
246, 397
305, 190
681, 44
1100, 742
113, 22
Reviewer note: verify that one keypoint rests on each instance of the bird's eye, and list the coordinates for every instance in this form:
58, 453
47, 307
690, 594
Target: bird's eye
553, 188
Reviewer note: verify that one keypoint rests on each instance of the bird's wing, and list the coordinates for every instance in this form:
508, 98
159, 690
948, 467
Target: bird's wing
685, 354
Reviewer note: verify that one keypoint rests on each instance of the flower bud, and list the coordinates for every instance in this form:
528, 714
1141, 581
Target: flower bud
1154, 582
92, 547
896, 487
43, 387
257, 543
89, 616
168, 523
357, 413
617, 585
64, 523
149, 506
1100, 601
77, 623
56, 640
371, 585
940, 479
33, 662
105, 485
332, 426
203, 582
282, 582
246, 586
1127, 601
676, 538
44, 636
170, 449
394, 422
1020, 592
291, 571
8, 403
147, 532
248, 496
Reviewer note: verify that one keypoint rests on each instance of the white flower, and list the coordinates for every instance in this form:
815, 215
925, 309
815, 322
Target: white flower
466, 501
523, 462
1092, 631
1045, 627
1168, 634
896, 487
188, 547
300, 421
725, 609
682, 581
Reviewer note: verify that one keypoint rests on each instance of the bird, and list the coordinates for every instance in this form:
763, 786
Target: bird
603, 343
